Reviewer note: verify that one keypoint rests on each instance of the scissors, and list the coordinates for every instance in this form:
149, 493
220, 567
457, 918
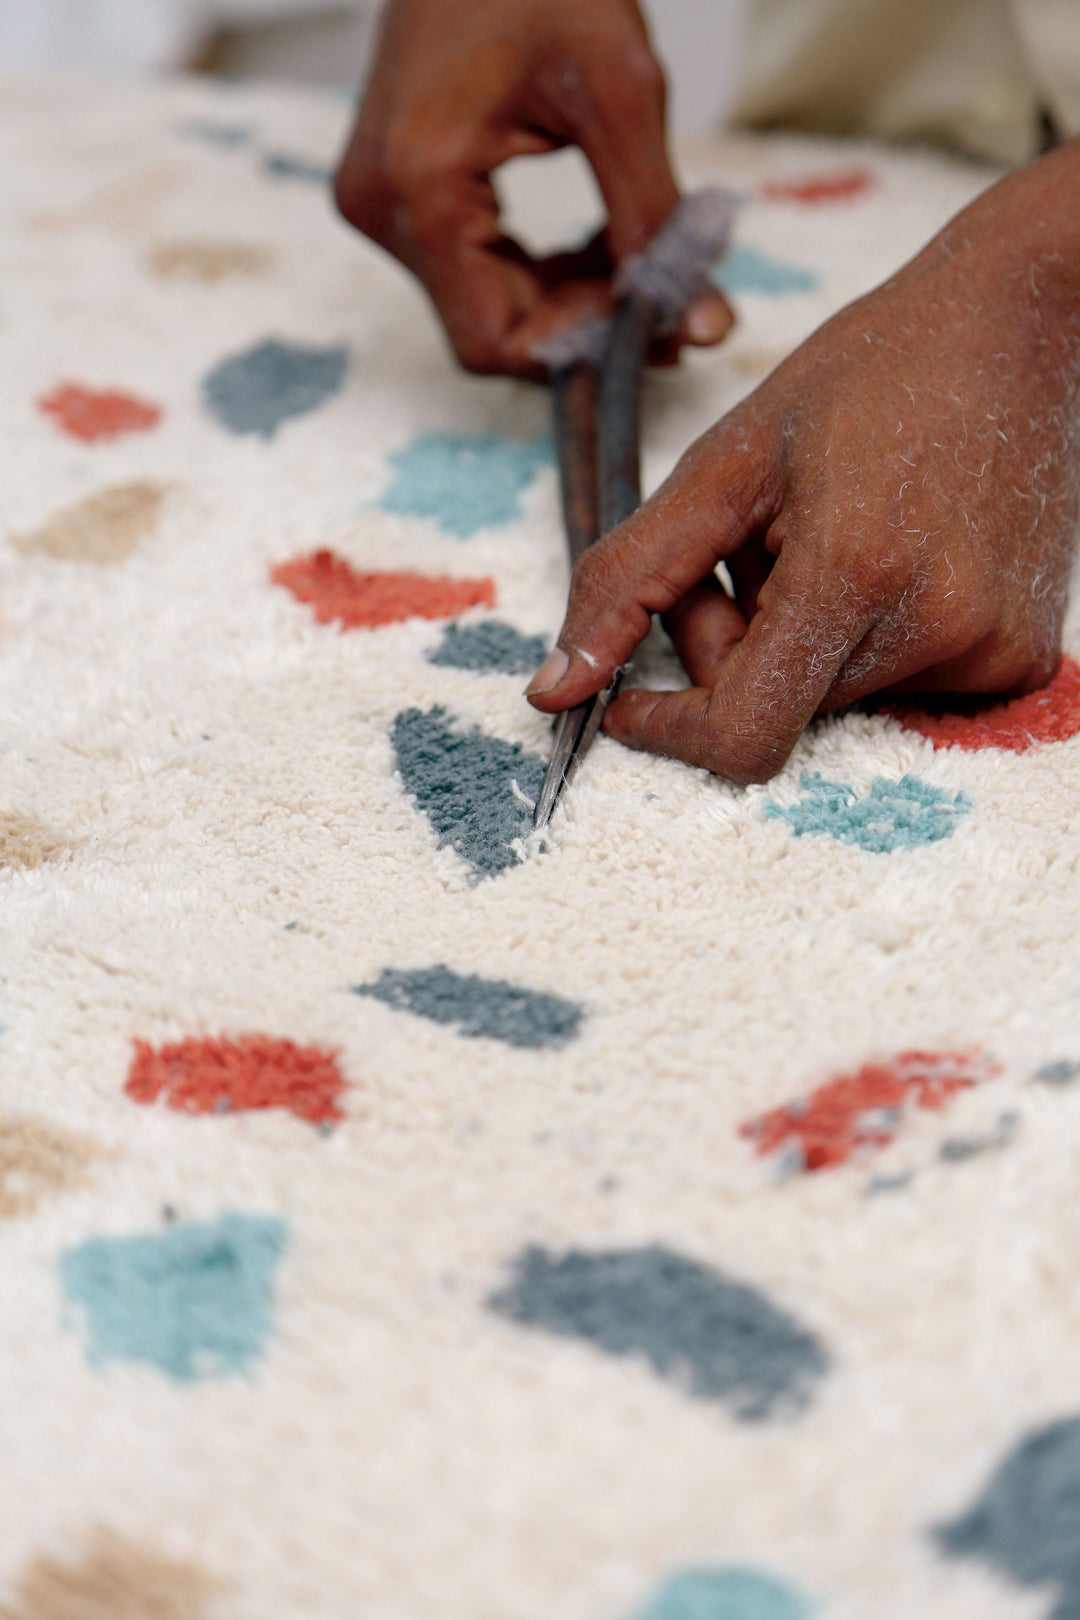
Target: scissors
597, 433
596, 379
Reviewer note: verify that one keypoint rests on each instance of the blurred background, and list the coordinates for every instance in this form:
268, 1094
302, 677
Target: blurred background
324, 42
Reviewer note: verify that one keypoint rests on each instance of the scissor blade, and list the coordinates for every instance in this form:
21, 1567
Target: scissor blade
574, 736
568, 732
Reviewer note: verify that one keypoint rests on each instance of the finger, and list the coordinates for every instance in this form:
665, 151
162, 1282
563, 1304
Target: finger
1015, 676
704, 626
498, 312
621, 130
485, 287
749, 568
988, 668
723, 490
706, 321
767, 691
432, 204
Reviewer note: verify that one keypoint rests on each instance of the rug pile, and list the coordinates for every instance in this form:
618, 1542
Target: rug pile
678, 1222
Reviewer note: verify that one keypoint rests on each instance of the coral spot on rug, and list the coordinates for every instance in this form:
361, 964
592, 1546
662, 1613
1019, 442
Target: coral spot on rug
90, 414
338, 594
216, 1075
843, 185
856, 1113
1046, 716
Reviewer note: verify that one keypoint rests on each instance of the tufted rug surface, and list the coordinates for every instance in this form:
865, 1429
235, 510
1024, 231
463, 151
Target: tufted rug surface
398, 1220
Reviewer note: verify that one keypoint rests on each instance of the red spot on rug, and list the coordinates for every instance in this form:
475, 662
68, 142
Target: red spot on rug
865, 1110
215, 1075
338, 594
90, 413
820, 188
1052, 715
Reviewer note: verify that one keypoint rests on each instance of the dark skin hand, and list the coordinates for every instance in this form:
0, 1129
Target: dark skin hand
897, 506
460, 87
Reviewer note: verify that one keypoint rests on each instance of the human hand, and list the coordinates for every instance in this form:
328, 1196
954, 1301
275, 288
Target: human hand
897, 506
461, 86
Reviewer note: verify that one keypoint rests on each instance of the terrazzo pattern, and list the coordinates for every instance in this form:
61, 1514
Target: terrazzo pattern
673, 1219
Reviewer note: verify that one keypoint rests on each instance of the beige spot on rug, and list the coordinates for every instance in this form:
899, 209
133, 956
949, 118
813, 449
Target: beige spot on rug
103, 528
37, 1160
117, 1580
26, 843
125, 206
757, 362
208, 262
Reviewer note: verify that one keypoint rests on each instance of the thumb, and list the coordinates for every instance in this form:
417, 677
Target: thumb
722, 491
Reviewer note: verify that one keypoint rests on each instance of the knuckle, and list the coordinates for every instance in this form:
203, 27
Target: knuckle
1041, 671
354, 195
598, 583
968, 619
1003, 665
406, 165
364, 199
641, 73
479, 355
588, 581
378, 176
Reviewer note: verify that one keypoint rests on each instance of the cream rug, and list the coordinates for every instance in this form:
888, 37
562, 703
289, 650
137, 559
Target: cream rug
680, 1223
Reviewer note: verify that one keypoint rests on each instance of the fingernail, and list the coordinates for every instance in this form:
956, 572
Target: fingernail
549, 674
708, 320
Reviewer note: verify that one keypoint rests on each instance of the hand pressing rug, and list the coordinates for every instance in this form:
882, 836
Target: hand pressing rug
679, 1222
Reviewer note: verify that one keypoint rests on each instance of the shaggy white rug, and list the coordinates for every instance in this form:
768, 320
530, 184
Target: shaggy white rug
397, 1221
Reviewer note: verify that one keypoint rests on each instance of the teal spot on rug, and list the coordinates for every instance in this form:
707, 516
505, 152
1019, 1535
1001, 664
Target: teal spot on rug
284, 167
195, 1300
1062, 1072
1026, 1523
893, 815
725, 1594
464, 482
715, 1338
215, 134
471, 787
492, 1007
258, 390
489, 647
746, 269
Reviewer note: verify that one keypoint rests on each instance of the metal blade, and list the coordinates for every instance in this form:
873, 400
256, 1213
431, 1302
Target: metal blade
574, 736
